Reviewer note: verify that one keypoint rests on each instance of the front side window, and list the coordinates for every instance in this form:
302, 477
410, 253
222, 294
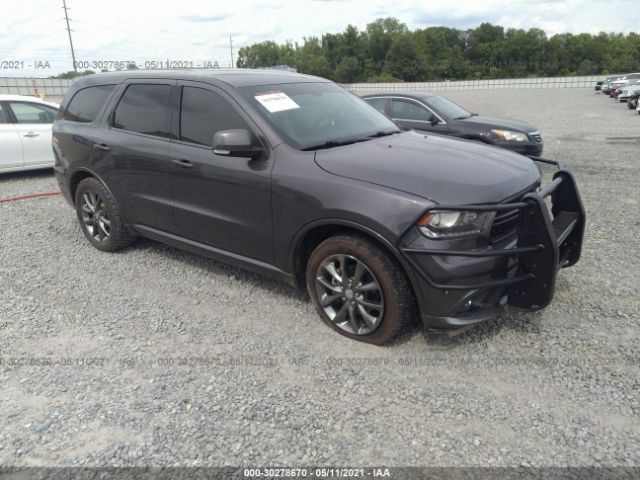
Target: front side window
316, 115
446, 107
144, 108
3, 116
26, 112
203, 113
408, 110
87, 103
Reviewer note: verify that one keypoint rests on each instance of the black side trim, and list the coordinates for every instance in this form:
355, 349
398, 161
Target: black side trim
247, 263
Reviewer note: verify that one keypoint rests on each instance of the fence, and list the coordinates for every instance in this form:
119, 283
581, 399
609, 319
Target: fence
54, 89
49, 88
549, 82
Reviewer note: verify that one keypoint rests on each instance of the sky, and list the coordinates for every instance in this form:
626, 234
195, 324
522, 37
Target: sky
34, 41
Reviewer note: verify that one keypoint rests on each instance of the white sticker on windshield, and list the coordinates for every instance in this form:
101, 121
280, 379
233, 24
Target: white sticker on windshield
276, 101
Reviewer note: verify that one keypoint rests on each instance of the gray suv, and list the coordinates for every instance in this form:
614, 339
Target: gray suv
292, 176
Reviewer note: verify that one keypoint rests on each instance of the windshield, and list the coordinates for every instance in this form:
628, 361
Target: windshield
317, 115
446, 108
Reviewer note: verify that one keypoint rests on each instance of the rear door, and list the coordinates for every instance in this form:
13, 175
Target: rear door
10, 145
132, 154
411, 114
221, 201
33, 123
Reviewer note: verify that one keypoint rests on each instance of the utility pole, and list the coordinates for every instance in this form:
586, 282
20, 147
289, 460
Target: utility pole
66, 17
231, 48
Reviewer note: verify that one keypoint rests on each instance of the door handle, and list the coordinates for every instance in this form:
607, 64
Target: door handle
102, 146
31, 134
183, 163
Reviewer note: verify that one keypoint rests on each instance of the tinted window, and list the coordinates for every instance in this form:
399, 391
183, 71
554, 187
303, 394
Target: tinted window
203, 113
308, 115
87, 103
144, 109
378, 103
407, 110
3, 116
33, 113
446, 108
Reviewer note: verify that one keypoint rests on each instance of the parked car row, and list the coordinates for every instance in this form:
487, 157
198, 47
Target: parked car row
623, 88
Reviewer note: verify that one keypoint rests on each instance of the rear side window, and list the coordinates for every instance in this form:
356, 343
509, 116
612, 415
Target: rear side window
144, 109
377, 103
87, 103
3, 116
203, 113
26, 112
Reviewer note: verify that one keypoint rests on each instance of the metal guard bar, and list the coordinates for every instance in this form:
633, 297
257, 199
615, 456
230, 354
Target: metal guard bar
530, 200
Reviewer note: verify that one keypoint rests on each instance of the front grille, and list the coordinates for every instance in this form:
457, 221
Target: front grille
504, 225
536, 137
506, 222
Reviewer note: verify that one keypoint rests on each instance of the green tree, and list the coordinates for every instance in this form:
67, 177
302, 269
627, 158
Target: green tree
311, 59
263, 54
387, 50
405, 60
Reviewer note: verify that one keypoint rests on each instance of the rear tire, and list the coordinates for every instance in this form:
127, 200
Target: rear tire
99, 217
356, 275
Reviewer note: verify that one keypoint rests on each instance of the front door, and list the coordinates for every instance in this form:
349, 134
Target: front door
10, 145
221, 201
412, 115
33, 123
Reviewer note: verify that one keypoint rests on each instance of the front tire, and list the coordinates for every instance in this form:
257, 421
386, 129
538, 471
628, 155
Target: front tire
99, 217
359, 290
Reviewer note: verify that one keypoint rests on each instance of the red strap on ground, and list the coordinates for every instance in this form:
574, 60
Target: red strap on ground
25, 197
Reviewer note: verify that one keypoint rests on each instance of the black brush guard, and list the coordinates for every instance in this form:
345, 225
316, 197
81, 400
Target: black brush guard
546, 242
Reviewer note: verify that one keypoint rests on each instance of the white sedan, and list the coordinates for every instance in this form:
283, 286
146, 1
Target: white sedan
25, 133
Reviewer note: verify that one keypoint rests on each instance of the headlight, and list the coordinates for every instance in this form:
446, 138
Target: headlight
452, 224
509, 136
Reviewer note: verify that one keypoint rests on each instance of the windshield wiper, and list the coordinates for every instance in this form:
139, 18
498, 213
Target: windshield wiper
383, 133
349, 141
333, 143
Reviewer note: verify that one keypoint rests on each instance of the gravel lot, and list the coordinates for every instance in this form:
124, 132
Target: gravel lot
154, 356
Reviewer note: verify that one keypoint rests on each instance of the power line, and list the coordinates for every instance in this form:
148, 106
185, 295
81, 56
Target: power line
66, 17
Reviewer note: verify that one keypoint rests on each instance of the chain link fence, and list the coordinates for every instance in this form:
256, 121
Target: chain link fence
548, 82
54, 89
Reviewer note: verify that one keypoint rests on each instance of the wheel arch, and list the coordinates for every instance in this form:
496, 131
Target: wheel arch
75, 180
84, 173
309, 237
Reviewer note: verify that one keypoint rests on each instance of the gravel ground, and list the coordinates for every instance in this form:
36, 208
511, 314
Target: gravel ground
154, 356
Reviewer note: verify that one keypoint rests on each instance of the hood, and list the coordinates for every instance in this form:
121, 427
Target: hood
435, 167
501, 123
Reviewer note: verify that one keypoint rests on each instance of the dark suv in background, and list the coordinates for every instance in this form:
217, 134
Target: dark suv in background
432, 113
293, 176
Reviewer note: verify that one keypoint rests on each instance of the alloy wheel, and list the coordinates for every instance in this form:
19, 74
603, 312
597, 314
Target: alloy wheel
350, 294
95, 216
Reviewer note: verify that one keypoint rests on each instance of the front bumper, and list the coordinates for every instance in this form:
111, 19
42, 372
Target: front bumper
529, 148
469, 284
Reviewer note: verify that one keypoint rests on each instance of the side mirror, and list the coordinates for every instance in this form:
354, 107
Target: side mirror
434, 120
235, 143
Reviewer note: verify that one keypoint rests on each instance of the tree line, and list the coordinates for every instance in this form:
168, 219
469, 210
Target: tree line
387, 51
